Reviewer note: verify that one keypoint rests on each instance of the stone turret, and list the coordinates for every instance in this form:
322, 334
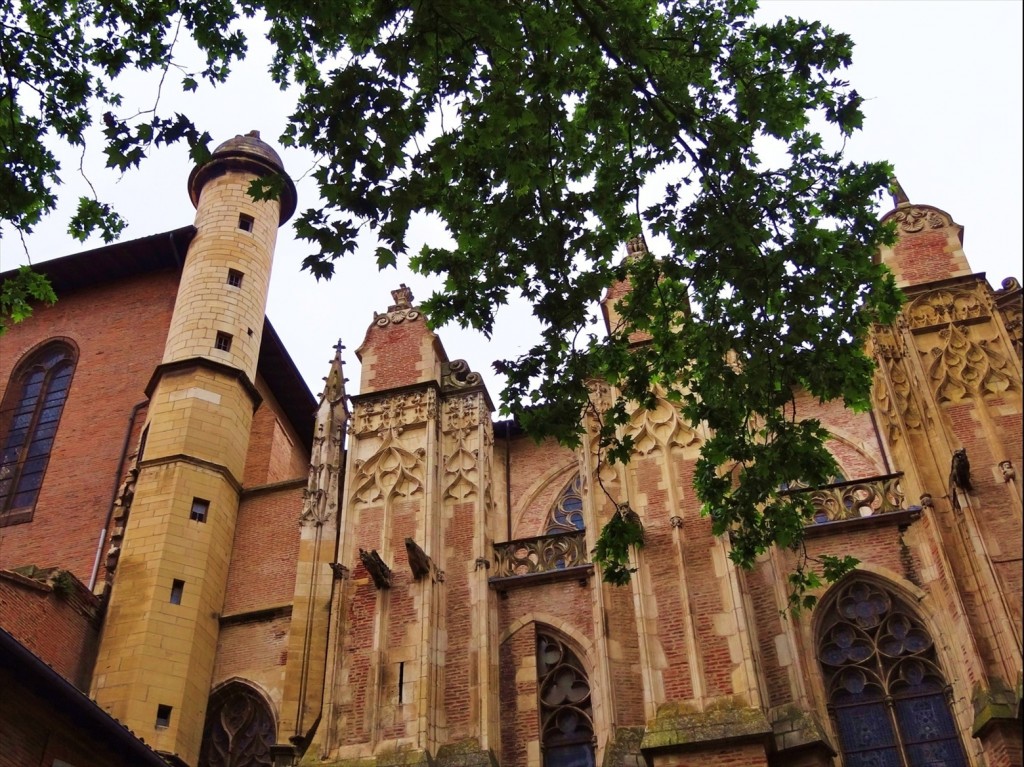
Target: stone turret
159, 641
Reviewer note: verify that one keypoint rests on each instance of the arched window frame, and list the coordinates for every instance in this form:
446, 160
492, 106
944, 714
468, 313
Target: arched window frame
566, 708
29, 419
566, 514
888, 697
240, 727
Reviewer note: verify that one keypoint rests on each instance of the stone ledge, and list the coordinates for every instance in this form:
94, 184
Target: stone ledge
796, 729
994, 704
678, 727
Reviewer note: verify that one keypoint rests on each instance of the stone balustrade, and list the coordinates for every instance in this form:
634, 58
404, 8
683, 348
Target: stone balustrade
541, 554
855, 499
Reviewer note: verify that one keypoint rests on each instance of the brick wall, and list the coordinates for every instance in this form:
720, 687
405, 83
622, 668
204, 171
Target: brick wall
60, 627
119, 330
265, 550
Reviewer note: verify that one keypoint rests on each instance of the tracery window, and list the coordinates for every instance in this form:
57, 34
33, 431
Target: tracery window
566, 515
887, 694
566, 716
239, 729
29, 417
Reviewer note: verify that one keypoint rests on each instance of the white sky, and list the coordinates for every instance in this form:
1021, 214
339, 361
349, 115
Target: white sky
943, 83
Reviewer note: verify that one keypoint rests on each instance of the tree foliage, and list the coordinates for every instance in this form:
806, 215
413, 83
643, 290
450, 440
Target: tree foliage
544, 133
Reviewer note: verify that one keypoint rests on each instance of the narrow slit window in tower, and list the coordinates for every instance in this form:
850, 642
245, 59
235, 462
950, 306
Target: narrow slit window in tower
245, 222
235, 278
177, 589
163, 716
200, 509
223, 342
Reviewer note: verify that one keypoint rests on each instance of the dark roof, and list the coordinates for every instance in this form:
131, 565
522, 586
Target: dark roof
67, 699
167, 250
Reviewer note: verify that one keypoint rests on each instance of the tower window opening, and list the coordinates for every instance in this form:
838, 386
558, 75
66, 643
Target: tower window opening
223, 342
401, 682
245, 222
200, 509
235, 278
177, 589
163, 716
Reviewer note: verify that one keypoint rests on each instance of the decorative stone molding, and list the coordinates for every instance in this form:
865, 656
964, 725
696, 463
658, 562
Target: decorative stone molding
661, 427
887, 343
395, 411
676, 522
945, 305
918, 219
964, 368
456, 375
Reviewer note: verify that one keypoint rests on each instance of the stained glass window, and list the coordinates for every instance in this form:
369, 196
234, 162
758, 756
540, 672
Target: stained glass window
567, 726
239, 729
31, 413
886, 691
566, 515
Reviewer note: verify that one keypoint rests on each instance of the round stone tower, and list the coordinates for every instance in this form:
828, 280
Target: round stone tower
157, 650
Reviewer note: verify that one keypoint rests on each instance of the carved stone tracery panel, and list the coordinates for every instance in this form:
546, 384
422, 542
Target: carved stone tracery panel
963, 368
461, 419
661, 427
239, 729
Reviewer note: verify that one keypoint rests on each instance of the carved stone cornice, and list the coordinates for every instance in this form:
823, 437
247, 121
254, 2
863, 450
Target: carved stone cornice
375, 415
945, 305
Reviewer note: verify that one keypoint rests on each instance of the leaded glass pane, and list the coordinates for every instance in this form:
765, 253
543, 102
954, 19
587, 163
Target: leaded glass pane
40, 390
875, 649
576, 755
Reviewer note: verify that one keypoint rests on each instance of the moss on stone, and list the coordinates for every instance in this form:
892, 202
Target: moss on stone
726, 720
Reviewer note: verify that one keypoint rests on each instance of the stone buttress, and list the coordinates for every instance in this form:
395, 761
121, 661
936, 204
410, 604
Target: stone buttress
411, 673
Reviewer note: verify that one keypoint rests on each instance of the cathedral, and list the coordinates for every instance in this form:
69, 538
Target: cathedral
204, 564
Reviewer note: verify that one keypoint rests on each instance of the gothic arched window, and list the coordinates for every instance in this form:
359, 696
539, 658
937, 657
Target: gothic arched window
566, 515
239, 729
566, 716
886, 692
28, 424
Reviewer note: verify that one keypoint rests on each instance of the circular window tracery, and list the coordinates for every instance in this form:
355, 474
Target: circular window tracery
887, 694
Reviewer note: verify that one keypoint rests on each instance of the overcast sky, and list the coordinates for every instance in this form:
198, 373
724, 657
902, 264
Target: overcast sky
943, 87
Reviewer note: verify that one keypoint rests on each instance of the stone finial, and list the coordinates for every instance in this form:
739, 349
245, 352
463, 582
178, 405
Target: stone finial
899, 197
334, 381
402, 298
635, 246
